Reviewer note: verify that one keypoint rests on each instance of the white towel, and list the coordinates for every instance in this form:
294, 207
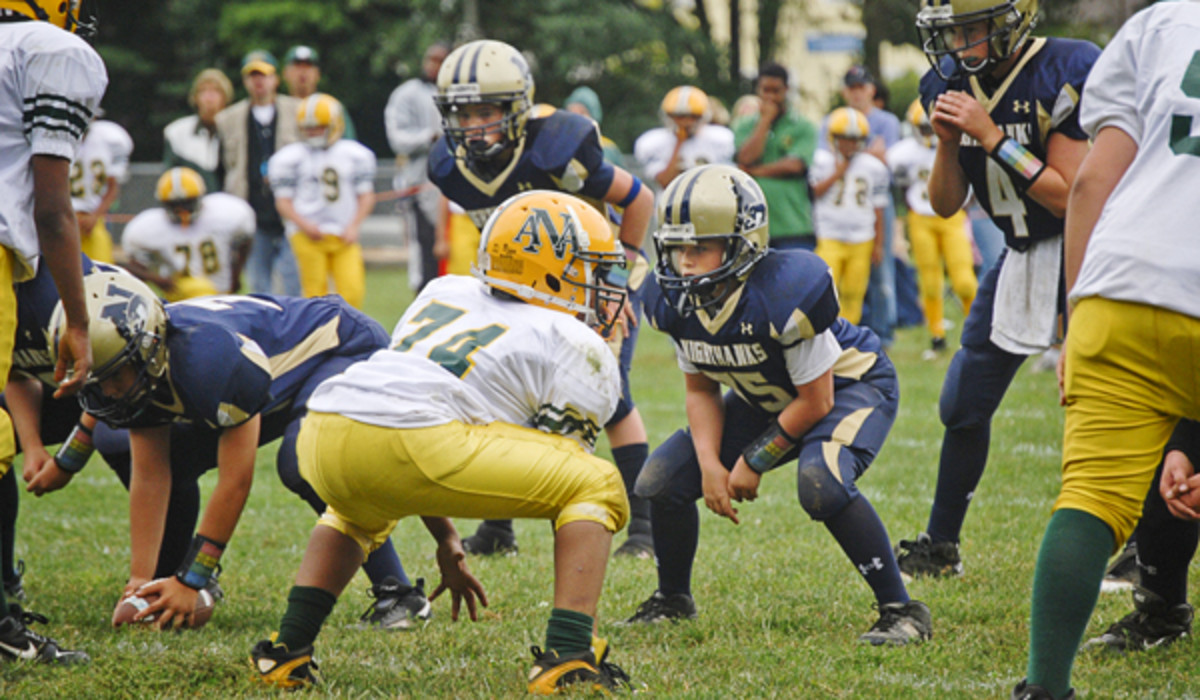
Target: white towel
1025, 313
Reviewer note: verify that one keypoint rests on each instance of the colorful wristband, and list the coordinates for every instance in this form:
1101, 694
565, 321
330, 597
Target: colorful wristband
75, 451
200, 563
769, 449
1024, 167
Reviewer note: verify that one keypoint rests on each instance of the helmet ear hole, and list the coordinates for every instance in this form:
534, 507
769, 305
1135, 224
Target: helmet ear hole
553, 283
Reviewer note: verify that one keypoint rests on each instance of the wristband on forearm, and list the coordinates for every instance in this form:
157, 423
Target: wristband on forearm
75, 451
769, 449
1019, 162
200, 563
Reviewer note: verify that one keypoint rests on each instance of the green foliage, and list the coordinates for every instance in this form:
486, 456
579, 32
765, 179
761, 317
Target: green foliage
630, 54
780, 608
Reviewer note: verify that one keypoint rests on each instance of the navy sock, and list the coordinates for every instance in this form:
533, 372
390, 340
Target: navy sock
676, 531
864, 539
629, 459
307, 609
964, 456
384, 562
1165, 548
9, 503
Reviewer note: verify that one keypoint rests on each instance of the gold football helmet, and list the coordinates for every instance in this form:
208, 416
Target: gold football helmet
321, 111
484, 72
179, 191
686, 101
554, 250
848, 123
942, 26
919, 121
127, 327
705, 203
61, 13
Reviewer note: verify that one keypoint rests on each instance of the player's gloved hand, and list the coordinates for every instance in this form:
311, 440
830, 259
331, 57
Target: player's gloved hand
174, 606
456, 578
743, 481
715, 482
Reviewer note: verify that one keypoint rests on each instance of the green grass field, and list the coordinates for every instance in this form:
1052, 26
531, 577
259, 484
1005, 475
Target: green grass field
780, 607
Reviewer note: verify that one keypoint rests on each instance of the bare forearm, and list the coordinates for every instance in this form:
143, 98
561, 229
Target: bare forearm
706, 417
947, 182
236, 452
24, 398
752, 150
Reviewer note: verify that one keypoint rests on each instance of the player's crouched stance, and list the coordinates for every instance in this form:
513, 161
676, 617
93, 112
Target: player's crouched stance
805, 385
483, 407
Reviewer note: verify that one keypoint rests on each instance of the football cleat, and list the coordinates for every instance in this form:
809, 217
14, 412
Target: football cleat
18, 642
552, 672
1123, 574
637, 546
924, 557
275, 665
900, 624
489, 539
937, 348
14, 587
1024, 691
659, 607
396, 606
1153, 623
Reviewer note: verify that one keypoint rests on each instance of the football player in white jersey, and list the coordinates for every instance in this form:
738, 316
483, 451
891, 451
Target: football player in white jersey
851, 191
686, 139
51, 83
99, 168
935, 241
1129, 366
195, 243
487, 405
324, 188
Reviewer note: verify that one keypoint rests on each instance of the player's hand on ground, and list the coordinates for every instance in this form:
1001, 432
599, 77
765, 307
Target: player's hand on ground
456, 578
46, 476
964, 112
1180, 486
743, 482
174, 605
75, 352
716, 493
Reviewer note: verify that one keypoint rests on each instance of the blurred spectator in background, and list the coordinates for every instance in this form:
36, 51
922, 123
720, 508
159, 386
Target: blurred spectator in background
191, 141
302, 74
101, 164
413, 125
775, 147
585, 101
251, 131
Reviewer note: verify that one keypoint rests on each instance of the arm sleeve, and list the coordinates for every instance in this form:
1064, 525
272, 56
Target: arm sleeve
63, 87
364, 172
1186, 439
1111, 95
880, 186
281, 172
589, 164
810, 359
120, 146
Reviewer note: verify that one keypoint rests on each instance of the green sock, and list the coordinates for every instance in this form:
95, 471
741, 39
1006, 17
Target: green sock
1070, 566
307, 609
568, 631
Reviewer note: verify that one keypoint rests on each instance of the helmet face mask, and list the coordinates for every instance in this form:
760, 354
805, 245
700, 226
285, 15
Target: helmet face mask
708, 204
554, 250
850, 127
956, 28
481, 73
127, 332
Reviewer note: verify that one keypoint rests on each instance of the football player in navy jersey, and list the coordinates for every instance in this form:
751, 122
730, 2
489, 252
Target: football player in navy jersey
492, 149
201, 384
1005, 108
803, 385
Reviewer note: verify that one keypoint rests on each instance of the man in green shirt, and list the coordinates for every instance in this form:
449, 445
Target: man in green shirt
775, 147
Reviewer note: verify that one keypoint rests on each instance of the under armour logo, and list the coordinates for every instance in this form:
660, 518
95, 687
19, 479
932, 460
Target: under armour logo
747, 328
524, 186
1020, 106
875, 564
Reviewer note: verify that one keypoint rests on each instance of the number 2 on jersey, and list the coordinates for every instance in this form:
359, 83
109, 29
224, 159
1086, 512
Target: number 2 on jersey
1182, 142
455, 353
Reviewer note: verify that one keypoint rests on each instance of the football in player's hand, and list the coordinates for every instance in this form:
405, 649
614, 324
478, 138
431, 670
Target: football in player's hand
134, 604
